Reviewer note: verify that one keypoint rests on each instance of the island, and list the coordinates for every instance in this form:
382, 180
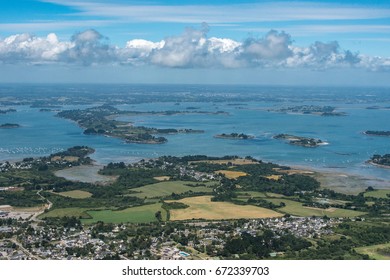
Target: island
234, 135
325, 111
102, 120
377, 132
7, 111
9, 125
380, 160
300, 140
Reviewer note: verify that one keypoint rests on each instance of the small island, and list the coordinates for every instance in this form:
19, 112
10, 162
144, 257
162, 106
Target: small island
7, 111
234, 135
9, 125
380, 160
301, 141
377, 132
325, 111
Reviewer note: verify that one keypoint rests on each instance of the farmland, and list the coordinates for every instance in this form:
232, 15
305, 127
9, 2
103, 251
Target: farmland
297, 209
377, 252
77, 194
140, 214
378, 194
231, 174
166, 188
66, 212
201, 207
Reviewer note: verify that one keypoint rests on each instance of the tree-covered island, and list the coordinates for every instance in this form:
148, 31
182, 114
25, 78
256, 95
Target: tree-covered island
325, 111
102, 120
7, 111
300, 140
234, 135
377, 132
380, 160
9, 125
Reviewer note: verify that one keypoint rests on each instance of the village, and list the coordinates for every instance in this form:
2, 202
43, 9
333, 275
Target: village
26, 239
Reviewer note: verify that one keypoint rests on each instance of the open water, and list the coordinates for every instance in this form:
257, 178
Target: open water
43, 133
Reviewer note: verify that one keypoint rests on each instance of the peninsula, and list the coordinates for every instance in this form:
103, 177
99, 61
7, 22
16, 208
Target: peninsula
300, 140
103, 120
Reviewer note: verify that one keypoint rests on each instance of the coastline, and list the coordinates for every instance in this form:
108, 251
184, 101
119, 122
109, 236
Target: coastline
378, 165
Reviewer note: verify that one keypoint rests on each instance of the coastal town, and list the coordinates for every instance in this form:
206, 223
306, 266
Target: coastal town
26, 239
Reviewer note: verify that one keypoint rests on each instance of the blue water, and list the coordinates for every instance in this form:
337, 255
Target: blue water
42, 133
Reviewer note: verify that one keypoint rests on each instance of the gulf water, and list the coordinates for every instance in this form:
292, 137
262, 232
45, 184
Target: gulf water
42, 133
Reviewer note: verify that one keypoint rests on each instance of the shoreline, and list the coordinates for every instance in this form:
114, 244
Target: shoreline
378, 165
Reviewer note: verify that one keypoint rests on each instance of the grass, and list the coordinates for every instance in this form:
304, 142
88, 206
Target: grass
201, 207
373, 252
231, 174
139, 214
297, 209
78, 194
63, 212
378, 194
166, 188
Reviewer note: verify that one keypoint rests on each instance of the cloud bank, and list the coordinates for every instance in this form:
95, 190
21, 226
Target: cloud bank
192, 49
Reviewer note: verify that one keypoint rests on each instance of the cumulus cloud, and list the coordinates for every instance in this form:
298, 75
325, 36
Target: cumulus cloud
191, 49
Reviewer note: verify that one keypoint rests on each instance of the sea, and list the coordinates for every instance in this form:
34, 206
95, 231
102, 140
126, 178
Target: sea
249, 109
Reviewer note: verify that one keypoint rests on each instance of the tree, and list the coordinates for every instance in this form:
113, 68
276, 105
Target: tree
158, 216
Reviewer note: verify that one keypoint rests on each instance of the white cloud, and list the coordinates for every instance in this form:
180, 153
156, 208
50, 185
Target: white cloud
192, 49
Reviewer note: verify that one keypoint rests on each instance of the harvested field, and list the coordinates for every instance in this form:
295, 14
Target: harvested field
231, 174
162, 178
201, 207
273, 177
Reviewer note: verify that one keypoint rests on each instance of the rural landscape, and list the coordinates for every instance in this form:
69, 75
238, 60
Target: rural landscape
192, 207
194, 130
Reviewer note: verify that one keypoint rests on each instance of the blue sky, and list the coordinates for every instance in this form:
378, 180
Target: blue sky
259, 41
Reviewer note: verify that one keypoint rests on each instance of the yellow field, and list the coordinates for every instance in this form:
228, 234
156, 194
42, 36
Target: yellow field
238, 161
56, 158
162, 178
273, 177
231, 174
71, 159
201, 207
75, 194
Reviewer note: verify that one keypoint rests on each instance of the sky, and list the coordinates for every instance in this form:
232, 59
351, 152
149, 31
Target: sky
344, 43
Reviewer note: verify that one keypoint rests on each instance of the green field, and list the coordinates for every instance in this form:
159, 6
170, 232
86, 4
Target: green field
139, 214
167, 188
63, 212
77, 194
378, 194
372, 251
297, 209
